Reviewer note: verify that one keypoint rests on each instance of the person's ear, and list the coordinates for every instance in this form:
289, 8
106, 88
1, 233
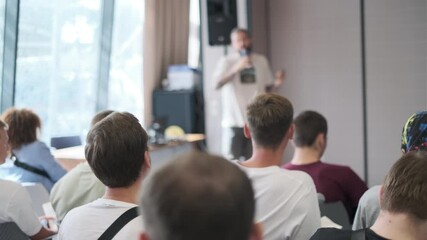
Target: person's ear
147, 163
321, 140
246, 131
380, 195
143, 236
256, 232
291, 130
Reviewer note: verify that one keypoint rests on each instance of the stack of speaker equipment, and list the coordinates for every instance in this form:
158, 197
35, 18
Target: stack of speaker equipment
222, 18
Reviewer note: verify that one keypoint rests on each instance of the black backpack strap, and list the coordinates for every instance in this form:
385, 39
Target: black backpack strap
358, 234
30, 168
120, 222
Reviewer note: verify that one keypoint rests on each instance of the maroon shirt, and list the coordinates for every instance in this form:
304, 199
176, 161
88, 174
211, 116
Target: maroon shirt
335, 182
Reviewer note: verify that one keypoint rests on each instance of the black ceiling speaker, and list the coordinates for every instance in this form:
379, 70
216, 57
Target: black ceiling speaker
222, 18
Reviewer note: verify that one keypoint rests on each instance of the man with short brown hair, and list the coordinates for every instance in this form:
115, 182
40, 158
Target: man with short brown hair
337, 183
117, 152
287, 204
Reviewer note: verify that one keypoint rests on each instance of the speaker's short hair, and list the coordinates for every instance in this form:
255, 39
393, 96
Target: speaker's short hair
240, 30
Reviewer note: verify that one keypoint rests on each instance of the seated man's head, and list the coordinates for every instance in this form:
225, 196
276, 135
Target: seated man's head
4, 142
116, 150
22, 126
405, 187
414, 133
99, 116
269, 121
311, 130
199, 196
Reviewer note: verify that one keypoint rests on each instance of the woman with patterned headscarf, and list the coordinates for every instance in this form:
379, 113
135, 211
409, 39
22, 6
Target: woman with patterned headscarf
414, 133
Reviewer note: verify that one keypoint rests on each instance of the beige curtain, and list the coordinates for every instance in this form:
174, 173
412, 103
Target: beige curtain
165, 42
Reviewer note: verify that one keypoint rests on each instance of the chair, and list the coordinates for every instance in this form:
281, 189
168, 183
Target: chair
336, 212
65, 141
39, 195
9, 230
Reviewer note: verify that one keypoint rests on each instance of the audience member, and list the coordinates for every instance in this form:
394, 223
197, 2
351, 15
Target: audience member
286, 201
116, 150
79, 186
31, 159
335, 182
240, 76
414, 138
15, 202
199, 196
403, 199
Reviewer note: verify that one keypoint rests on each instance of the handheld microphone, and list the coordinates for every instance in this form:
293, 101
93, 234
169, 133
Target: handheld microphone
245, 52
247, 75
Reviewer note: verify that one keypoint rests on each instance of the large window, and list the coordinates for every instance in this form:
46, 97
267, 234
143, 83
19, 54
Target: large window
194, 35
68, 59
57, 61
125, 88
2, 15
58, 57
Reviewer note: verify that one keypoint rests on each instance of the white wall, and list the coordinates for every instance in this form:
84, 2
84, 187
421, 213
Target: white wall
396, 47
317, 42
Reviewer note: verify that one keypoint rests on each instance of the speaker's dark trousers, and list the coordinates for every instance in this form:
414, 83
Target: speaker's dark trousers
241, 147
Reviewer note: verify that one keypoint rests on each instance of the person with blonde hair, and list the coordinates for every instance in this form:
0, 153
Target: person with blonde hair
31, 159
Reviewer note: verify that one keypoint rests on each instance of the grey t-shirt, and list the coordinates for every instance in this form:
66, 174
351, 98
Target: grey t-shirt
368, 209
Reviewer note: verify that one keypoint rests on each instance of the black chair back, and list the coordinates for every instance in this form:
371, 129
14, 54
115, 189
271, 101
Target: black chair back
336, 212
9, 230
65, 141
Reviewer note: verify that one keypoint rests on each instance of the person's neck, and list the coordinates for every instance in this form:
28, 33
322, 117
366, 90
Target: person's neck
127, 194
264, 157
305, 155
399, 226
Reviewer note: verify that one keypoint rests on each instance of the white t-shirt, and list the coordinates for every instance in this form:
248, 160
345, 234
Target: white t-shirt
236, 95
91, 220
286, 202
15, 206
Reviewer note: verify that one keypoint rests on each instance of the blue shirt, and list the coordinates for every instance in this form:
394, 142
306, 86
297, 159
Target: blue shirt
35, 154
